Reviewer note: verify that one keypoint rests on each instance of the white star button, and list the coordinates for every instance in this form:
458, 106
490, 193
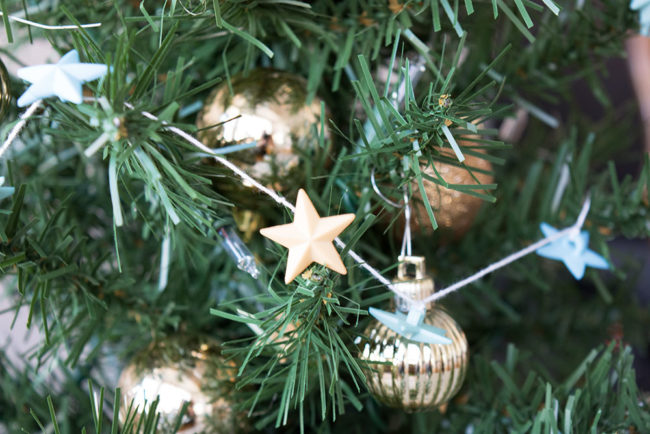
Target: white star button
63, 79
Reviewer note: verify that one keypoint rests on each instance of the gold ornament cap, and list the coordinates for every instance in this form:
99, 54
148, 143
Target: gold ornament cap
412, 281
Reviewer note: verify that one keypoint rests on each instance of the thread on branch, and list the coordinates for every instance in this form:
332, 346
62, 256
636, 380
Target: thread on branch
278, 198
19, 126
48, 27
570, 231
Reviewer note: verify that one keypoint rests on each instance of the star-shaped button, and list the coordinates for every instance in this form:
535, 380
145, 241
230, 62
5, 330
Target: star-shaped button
309, 238
5, 192
63, 79
411, 326
643, 6
573, 251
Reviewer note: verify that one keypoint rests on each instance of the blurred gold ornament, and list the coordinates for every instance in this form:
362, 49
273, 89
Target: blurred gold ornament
266, 108
248, 222
282, 337
410, 375
395, 6
454, 211
5, 93
200, 378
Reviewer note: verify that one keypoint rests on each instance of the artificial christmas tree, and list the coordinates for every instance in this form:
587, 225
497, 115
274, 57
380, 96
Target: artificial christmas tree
121, 228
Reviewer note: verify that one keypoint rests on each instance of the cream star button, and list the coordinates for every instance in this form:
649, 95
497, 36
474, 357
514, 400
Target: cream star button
309, 238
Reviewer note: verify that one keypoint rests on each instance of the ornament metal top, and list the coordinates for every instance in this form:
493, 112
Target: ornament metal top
267, 114
406, 374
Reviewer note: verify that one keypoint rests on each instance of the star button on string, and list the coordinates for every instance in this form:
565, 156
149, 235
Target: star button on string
309, 238
5, 192
63, 79
573, 250
411, 326
643, 6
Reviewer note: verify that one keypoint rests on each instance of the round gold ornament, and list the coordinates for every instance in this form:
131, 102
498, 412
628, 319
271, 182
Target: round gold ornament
266, 109
454, 211
5, 94
410, 375
200, 378
281, 338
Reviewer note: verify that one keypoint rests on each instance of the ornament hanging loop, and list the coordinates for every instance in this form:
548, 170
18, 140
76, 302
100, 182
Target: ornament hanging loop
406, 249
375, 187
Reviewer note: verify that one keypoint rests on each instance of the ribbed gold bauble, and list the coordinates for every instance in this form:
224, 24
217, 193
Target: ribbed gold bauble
417, 376
268, 108
5, 94
198, 376
454, 211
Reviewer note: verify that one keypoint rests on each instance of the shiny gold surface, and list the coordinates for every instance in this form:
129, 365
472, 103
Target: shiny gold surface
174, 383
453, 210
418, 377
281, 339
5, 94
268, 107
410, 375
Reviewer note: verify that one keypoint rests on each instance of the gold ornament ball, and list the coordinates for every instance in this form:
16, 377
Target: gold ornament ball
454, 211
281, 338
5, 94
268, 108
199, 377
410, 375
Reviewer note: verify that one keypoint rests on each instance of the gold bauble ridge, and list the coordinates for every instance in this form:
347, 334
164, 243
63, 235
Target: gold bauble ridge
410, 375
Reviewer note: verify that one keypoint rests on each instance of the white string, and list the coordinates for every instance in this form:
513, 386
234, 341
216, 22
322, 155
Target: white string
278, 198
406, 237
562, 184
165, 248
407, 241
19, 126
48, 27
254, 327
189, 138
571, 231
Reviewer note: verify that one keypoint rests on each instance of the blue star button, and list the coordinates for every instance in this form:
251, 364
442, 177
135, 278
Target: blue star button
411, 326
572, 250
643, 6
